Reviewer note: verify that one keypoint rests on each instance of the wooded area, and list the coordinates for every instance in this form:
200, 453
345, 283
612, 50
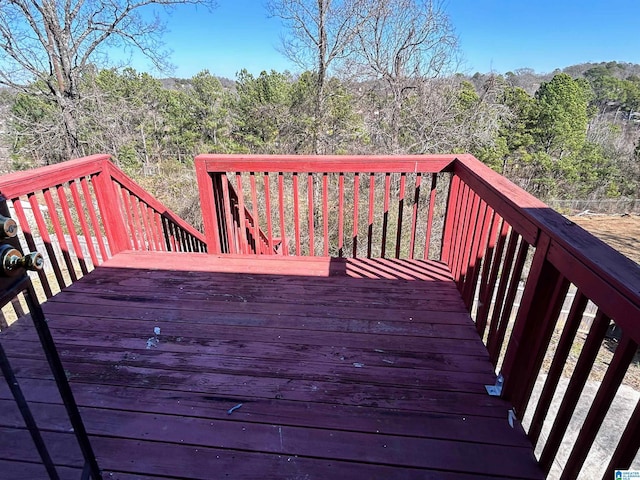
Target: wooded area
377, 77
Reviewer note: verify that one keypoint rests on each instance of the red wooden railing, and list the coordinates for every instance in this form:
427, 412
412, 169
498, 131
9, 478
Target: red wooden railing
84, 211
496, 237
525, 273
330, 206
516, 262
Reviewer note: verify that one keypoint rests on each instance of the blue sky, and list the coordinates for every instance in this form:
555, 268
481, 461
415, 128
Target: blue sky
498, 35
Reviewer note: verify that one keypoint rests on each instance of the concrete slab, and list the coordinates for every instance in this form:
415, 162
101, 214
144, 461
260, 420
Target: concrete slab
608, 436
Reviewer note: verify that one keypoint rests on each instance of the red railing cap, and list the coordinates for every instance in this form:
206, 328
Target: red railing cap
14, 184
325, 163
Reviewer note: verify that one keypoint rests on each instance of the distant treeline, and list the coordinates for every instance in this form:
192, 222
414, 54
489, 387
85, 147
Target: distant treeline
570, 134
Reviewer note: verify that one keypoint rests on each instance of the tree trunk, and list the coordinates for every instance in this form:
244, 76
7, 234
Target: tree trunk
70, 127
396, 115
318, 127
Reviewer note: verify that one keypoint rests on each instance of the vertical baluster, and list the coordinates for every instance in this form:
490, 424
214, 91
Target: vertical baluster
505, 274
540, 307
164, 233
173, 235
75, 195
472, 259
462, 217
184, 238
267, 201
44, 234
148, 226
129, 214
135, 210
401, 194
95, 224
414, 217
175, 245
494, 344
573, 392
153, 226
177, 235
310, 189
283, 236
59, 233
254, 208
341, 214
144, 214
453, 206
243, 233
432, 205
170, 235
28, 236
356, 203
66, 212
467, 230
486, 288
372, 200
625, 351
132, 207
163, 238
180, 238
562, 351
325, 212
466, 240
193, 242
628, 445
296, 212
228, 215
385, 214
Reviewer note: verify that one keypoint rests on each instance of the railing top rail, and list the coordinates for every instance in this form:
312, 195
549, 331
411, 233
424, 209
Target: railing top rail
14, 184
534, 217
326, 163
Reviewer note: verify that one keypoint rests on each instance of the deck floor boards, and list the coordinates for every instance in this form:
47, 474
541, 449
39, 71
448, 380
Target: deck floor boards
344, 369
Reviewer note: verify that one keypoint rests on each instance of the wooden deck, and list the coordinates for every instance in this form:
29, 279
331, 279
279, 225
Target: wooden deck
265, 367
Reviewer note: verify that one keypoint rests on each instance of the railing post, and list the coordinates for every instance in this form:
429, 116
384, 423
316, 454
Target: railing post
540, 306
208, 205
110, 208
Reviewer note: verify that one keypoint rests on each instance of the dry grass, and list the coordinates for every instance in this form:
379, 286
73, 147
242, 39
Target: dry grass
622, 232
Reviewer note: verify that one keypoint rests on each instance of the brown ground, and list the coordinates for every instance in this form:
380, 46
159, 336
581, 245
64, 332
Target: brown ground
621, 232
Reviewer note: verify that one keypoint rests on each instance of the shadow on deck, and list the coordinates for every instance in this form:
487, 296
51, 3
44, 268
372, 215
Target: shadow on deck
265, 368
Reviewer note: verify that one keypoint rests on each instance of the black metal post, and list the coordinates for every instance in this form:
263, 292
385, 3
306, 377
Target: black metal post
25, 411
13, 281
60, 377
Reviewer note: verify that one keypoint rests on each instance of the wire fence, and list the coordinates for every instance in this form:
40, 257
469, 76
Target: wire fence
607, 206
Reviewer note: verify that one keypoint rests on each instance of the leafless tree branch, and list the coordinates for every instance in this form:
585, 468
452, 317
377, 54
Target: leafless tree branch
52, 42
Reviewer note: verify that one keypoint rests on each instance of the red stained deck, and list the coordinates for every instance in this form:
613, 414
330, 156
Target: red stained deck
344, 368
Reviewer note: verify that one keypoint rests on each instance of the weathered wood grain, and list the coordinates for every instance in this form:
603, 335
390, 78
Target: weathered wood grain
338, 376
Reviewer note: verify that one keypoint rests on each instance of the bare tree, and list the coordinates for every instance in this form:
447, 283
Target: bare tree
48, 45
320, 34
401, 45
